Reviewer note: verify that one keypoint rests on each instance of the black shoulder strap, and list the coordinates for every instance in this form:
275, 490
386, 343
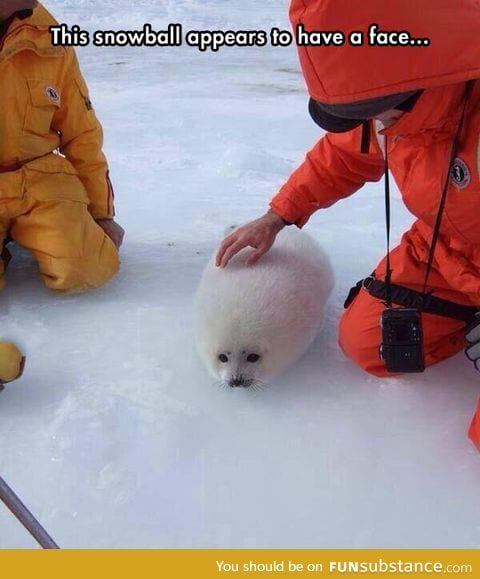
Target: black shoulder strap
441, 208
438, 221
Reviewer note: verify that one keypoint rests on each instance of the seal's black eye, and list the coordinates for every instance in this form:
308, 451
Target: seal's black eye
252, 358
223, 358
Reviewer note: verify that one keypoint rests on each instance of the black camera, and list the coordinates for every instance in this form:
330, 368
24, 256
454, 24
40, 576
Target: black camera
402, 340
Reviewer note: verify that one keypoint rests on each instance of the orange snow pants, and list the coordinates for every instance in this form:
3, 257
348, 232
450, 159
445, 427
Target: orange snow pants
44, 208
359, 327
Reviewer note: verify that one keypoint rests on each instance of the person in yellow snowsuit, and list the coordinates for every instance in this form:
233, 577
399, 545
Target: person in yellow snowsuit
56, 199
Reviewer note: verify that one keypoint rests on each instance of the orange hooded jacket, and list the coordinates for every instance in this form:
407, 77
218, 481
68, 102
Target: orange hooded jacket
44, 107
419, 143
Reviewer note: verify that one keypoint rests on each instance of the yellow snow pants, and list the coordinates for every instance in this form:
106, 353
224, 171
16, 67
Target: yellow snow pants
44, 208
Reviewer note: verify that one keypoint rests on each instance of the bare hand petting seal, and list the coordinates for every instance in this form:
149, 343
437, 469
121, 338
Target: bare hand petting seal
259, 234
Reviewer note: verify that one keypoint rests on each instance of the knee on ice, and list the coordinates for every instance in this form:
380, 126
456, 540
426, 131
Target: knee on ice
77, 276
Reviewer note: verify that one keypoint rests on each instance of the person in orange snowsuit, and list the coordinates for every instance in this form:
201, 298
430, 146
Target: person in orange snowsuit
56, 199
425, 97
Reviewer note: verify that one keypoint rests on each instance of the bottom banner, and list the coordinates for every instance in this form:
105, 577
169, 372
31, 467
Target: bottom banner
221, 564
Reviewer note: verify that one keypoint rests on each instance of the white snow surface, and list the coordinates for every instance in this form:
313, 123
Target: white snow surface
116, 437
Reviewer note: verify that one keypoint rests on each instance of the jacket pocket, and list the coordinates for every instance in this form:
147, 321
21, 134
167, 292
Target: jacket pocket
53, 178
43, 102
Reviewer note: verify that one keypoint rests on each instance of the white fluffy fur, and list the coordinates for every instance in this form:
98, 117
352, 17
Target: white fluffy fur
273, 309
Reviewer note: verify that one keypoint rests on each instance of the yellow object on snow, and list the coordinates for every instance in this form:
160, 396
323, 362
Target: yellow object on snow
54, 179
11, 362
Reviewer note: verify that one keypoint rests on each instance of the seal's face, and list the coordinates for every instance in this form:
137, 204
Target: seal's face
241, 368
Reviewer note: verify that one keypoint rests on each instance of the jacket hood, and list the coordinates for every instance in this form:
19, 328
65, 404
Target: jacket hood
40, 18
342, 74
31, 34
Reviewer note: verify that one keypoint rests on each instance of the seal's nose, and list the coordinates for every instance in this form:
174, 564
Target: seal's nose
237, 382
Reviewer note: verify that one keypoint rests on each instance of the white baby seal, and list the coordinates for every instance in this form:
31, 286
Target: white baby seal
253, 322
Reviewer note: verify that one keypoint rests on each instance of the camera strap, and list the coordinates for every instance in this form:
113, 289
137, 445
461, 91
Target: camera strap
441, 208
388, 272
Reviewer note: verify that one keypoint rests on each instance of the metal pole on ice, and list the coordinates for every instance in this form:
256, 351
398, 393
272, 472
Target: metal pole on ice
20, 511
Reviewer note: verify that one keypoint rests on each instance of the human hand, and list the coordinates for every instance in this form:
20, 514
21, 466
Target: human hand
259, 234
113, 230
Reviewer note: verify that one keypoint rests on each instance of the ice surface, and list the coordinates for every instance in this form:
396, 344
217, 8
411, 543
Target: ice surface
116, 437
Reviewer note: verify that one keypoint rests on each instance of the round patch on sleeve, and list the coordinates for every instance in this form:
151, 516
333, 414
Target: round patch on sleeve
460, 174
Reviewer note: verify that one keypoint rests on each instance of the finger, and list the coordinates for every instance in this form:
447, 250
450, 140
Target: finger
473, 352
473, 335
256, 255
115, 239
121, 239
231, 251
226, 243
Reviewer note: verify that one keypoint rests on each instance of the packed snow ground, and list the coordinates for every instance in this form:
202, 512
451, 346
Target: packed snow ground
116, 436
